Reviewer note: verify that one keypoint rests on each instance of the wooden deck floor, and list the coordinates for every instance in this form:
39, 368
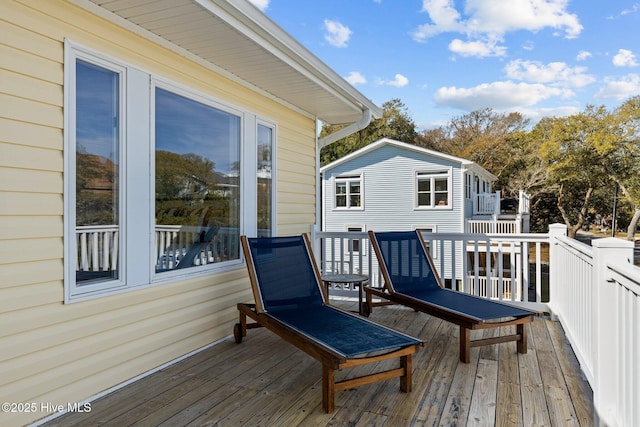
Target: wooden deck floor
267, 382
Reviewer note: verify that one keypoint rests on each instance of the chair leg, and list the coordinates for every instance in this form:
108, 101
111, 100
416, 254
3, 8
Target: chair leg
521, 329
406, 380
465, 344
328, 389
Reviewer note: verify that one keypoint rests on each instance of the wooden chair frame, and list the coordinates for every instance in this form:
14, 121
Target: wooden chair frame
330, 359
465, 321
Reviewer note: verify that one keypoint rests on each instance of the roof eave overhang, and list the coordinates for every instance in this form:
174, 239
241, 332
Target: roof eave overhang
319, 91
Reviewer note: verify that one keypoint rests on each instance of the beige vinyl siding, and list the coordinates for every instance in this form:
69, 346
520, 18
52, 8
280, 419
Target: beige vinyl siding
59, 353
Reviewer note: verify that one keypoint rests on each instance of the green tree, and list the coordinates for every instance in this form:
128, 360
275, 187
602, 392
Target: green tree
495, 141
395, 123
621, 147
576, 168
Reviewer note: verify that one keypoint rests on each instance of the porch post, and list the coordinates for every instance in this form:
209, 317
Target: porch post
555, 231
606, 390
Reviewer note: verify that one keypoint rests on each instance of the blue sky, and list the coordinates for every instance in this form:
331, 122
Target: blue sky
445, 58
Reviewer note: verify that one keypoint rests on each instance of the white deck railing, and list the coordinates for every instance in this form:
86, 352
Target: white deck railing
594, 291
514, 266
595, 294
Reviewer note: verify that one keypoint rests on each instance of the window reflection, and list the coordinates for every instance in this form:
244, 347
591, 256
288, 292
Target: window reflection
97, 159
265, 181
197, 171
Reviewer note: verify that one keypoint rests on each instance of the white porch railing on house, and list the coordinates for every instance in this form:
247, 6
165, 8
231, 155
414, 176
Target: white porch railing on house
594, 291
501, 226
486, 203
489, 205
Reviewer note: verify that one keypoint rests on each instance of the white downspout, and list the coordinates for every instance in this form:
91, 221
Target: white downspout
346, 131
323, 142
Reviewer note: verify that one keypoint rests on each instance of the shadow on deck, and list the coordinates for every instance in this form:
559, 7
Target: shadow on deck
268, 382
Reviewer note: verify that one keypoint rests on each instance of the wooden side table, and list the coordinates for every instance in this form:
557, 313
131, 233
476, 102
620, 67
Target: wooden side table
352, 279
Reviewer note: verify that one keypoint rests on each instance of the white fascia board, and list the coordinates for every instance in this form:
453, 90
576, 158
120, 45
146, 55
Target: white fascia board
255, 25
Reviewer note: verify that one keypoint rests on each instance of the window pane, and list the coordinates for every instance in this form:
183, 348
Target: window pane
341, 201
97, 173
424, 185
265, 181
197, 170
424, 199
441, 185
354, 187
341, 188
354, 200
441, 199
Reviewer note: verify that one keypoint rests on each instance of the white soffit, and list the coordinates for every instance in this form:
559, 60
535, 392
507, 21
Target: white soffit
233, 35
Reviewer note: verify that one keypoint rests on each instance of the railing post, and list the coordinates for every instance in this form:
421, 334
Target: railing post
555, 231
316, 246
607, 340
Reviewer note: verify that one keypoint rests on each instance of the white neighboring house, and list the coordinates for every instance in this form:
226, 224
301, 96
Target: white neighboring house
389, 185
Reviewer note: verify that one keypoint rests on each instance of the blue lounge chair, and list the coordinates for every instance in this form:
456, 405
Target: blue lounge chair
411, 280
291, 302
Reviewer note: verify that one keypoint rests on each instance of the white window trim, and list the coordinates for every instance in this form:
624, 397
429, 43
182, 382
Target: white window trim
74, 52
137, 183
348, 178
433, 172
274, 168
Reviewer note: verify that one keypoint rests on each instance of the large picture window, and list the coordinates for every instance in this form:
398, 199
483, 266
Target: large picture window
197, 188
160, 179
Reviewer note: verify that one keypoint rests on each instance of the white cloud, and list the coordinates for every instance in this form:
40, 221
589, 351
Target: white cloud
496, 95
398, 81
491, 20
536, 114
620, 89
355, 78
337, 34
444, 16
583, 55
476, 48
261, 4
556, 73
625, 58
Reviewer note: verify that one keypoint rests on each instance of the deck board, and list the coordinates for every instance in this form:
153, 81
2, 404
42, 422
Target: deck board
267, 382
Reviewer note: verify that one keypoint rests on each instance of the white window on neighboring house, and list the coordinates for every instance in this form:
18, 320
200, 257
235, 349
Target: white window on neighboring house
433, 189
160, 179
348, 192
